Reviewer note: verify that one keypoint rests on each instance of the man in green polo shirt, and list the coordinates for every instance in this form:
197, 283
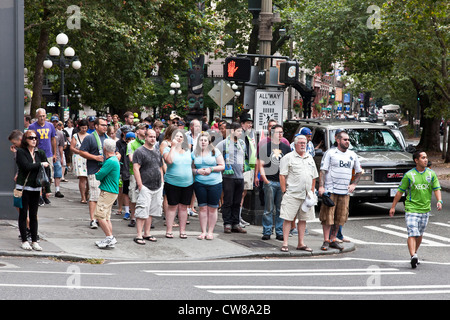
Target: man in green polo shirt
418, 183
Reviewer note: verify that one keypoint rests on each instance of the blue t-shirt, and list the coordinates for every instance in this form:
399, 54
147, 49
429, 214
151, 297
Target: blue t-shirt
179, 172
45, 135
207, 162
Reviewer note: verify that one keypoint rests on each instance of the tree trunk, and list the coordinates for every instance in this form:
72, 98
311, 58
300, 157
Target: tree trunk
38, 80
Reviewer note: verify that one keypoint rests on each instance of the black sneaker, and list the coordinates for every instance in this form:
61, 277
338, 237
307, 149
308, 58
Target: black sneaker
336, 245
414, 261
132, 223
58, 195
46, 201
265, 237
41, 202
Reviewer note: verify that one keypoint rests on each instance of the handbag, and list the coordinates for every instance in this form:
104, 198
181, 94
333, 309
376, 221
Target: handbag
18, 195
42, 178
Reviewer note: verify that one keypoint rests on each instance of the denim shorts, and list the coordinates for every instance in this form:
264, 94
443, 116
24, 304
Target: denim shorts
208, 195
416, 223
57, 169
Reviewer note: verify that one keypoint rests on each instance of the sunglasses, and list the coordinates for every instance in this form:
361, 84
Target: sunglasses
32, 138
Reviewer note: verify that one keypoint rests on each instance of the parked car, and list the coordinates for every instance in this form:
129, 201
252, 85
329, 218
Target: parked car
380, 151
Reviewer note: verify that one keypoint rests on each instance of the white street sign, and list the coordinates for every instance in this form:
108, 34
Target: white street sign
268, 105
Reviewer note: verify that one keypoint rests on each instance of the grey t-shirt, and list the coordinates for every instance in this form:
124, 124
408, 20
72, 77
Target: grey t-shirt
150, 162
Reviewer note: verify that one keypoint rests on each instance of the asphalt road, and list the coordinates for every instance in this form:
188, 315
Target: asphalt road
378, 269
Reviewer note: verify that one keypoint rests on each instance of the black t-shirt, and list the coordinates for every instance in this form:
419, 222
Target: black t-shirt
271, 154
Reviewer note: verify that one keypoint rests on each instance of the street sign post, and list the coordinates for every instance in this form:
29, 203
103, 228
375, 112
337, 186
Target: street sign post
221, 93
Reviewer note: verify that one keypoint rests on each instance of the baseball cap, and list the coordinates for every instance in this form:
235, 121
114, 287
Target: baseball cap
306, 132
310, 201
130, 135
91, 118
54, 118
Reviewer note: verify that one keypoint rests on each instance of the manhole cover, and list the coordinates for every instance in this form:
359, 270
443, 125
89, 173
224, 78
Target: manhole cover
254, 243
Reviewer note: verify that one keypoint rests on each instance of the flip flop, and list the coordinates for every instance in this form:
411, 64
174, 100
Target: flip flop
169, 235
139, 241
285, 248
305, 248
150, 238
183, 235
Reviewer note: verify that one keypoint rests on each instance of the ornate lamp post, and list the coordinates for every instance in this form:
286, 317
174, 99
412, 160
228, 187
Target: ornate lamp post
62, 57
175, 91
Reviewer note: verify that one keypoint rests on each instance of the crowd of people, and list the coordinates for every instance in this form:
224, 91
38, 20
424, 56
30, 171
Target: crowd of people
152, 168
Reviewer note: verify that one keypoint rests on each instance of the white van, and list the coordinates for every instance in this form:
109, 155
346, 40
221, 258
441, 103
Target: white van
391, 114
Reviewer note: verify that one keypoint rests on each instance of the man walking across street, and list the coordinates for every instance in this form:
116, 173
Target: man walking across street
336, 178
298, 174
419, 184
108, 176
92, 150
147, 167
269, 157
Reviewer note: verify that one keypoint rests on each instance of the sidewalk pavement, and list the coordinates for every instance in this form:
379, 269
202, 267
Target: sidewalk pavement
65, 234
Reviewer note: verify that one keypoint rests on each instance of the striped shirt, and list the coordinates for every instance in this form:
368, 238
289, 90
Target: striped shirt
339, 170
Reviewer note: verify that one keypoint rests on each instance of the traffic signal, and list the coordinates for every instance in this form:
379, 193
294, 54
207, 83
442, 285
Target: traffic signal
332, 97
288, 72
237, 69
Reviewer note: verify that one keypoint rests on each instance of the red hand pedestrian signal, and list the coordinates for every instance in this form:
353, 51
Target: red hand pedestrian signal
232, 69
237, 69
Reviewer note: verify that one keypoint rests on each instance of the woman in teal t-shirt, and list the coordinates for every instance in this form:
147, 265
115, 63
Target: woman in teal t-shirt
178, 181
207, 167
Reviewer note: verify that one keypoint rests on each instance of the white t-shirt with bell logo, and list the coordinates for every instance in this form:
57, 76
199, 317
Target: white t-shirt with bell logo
339, 170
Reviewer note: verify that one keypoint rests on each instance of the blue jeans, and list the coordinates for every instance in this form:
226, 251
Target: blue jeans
272, 199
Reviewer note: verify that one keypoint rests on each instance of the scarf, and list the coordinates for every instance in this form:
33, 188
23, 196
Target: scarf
226, 155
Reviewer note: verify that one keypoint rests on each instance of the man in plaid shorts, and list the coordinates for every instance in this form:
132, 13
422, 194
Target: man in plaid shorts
418, 183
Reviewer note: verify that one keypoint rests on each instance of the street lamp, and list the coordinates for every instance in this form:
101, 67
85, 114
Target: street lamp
175, 91
63, 57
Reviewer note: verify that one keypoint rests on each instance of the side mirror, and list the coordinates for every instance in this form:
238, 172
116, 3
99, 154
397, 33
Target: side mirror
410, 148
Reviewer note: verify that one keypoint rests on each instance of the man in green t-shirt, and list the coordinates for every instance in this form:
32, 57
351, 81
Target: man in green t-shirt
418, 183
108, 176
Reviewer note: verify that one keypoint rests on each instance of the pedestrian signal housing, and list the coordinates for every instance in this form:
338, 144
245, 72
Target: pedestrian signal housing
237, 69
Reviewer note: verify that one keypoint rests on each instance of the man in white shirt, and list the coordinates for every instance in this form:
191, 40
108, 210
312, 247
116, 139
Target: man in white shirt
336, 178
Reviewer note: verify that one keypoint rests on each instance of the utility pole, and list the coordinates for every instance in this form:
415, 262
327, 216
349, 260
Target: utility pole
266, 20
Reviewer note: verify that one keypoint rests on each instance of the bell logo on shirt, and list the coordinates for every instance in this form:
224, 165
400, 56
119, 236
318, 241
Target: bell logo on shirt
343, 164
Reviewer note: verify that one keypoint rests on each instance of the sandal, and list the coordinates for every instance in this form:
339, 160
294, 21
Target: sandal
285, 248
150, 238
209, 236
169, 235
305, 248
139, 241
325, 246
200, 237
183, 235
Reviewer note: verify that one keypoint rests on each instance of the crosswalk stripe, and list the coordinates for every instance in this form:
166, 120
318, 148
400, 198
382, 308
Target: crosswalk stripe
278, 273
426, 234
311, 290
403, 235
441, 224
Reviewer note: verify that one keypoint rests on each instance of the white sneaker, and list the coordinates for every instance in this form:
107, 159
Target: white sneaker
106, 243
191, 212
93, 224
36, 246
26, 246
243, 223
